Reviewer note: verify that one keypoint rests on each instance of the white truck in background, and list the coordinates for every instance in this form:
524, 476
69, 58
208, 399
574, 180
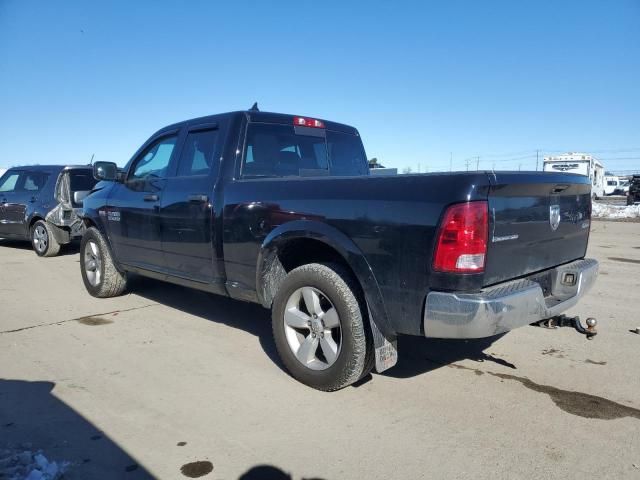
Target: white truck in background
612, 184
581, 163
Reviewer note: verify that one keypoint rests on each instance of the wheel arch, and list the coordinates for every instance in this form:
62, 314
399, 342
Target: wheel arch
96, 222
303, 241
34, 218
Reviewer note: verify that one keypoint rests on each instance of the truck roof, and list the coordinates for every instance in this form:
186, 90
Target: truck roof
257, 116
51, 168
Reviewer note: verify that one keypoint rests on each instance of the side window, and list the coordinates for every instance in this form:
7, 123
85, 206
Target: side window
197, 154
9, 181
81, 181
34, 181
347, 155
277, 151
154, 161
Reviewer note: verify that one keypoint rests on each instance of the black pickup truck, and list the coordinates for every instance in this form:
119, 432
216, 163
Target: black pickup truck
281, 210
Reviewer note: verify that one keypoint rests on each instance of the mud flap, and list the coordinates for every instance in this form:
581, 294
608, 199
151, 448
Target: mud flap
386, 347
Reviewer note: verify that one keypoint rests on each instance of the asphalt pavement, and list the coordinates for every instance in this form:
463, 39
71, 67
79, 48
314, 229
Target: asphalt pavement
170, 383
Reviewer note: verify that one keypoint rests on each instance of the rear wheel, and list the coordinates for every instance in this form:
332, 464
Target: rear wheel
43, 241
319, 329
99, 273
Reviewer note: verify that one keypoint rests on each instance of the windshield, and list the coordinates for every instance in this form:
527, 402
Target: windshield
82, 181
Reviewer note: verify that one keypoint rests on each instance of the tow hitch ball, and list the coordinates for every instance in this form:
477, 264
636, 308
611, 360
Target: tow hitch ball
574, 322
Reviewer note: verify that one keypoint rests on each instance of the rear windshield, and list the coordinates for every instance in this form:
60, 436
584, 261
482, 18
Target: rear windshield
283, 151
81, 181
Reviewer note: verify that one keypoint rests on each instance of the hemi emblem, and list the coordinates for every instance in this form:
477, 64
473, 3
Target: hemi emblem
554, 216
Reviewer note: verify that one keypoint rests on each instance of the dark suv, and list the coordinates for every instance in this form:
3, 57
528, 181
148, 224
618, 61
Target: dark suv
634, 190
40, 204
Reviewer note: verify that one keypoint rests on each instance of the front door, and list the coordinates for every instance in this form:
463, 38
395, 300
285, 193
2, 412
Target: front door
187, 210
134, 207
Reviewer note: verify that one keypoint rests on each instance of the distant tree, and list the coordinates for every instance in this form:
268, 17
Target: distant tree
373, 163
407, 170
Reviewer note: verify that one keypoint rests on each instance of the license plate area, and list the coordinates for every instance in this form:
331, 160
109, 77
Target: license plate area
545, 280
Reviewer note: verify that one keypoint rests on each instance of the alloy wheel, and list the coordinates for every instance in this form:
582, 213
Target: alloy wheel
92, 263
312, 328
40, 238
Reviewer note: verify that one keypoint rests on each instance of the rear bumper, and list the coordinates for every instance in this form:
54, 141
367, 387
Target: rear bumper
508, 305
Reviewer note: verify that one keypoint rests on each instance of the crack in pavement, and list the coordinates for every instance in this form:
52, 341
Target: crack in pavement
85, 317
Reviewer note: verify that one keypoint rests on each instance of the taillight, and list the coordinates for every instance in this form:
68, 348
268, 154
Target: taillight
307, 122
462, 239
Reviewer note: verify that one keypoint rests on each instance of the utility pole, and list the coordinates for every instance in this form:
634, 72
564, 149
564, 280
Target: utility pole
477, 163
418, 167
467, 164
450, 161
537, 158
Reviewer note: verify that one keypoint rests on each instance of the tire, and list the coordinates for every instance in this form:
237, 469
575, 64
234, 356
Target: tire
99, 273
335, 288
43, 241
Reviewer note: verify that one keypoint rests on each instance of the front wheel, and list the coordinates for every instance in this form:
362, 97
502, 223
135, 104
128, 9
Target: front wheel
99, 273
43, 241
319, 328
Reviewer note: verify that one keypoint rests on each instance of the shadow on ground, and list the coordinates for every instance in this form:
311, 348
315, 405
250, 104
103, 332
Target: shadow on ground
32, 418
268, 472
72, 248
417, 355
249, 317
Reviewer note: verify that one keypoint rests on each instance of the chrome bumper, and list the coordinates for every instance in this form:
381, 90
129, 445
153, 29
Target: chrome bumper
506, 306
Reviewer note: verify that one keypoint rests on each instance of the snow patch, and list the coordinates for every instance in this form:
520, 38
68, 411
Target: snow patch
603, 210
28, 465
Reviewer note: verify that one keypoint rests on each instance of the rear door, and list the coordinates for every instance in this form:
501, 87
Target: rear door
133, 215
539, 220
28, 188
8, 189
187, 209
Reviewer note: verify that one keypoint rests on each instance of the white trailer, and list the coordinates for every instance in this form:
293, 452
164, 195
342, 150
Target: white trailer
582, 164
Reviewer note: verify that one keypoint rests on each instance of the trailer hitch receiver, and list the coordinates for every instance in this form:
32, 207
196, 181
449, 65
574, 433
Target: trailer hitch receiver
574, 322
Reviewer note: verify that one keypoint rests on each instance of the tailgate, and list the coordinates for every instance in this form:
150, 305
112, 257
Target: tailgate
538, 220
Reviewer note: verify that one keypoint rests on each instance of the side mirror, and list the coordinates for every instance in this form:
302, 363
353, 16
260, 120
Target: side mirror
105, 171
79, 196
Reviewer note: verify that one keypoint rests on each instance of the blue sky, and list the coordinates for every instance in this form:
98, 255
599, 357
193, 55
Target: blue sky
420, 80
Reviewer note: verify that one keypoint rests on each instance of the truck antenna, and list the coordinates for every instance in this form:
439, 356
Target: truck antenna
254, 108
91, 161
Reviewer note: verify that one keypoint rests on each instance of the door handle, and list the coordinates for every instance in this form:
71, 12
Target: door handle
151, 197
33, 200
198, 198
